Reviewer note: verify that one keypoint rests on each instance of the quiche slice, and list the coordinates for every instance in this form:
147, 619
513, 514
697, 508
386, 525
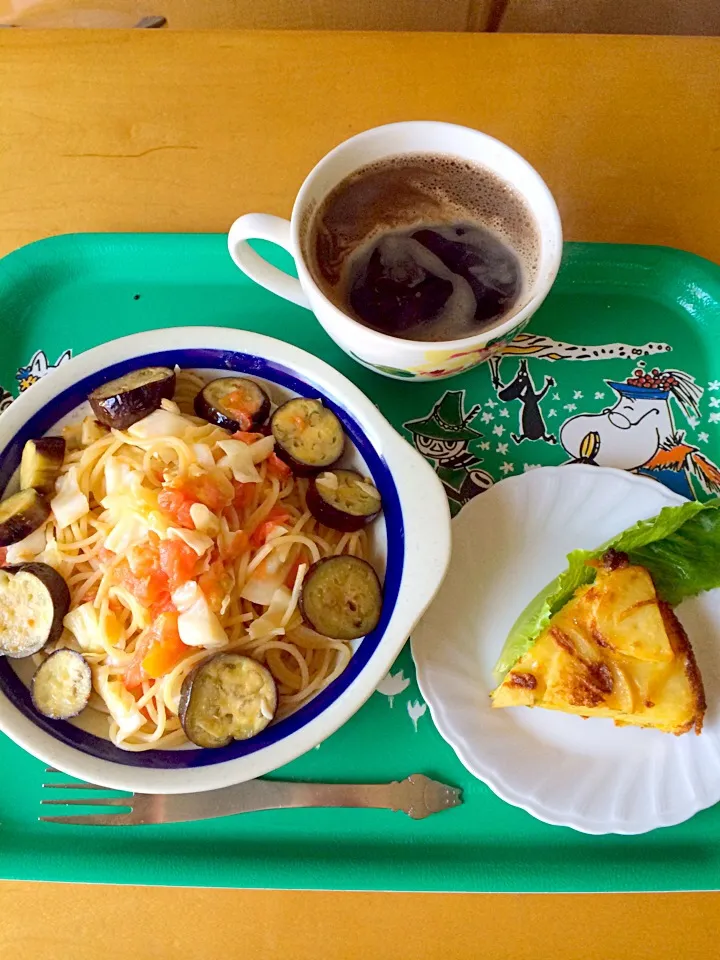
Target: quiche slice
614, 650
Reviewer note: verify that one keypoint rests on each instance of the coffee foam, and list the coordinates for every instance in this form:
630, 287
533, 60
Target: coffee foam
410, 190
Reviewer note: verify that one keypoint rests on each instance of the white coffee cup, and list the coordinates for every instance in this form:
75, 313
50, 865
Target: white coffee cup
389, 355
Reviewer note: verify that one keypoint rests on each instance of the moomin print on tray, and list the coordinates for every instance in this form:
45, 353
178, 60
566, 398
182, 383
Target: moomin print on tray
449, 436
639, 432
38, 367
443, 438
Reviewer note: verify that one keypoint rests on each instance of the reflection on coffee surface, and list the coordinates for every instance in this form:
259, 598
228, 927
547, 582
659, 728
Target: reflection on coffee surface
423, 247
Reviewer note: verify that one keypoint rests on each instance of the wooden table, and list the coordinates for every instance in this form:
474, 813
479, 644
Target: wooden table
184, 131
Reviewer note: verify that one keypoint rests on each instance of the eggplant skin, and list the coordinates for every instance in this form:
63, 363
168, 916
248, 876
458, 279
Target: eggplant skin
22, 514
61, 685
341, 597
209, 404
49, 600
41, 463
308, 436
226, 697
334, 509
120, 403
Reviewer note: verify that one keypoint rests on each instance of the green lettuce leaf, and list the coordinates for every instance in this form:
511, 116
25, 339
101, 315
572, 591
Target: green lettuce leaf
680, 547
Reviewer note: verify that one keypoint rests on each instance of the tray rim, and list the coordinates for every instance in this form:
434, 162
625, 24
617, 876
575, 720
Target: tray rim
22, 260
80, 239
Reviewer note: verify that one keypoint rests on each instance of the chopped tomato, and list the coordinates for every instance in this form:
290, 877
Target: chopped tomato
134, 672
244, 492
106, 556
178, 505
247, 437
162, 605
212, 588
205, 490
144, 558
215, 584
167, 649
156, 589
149, 589
178, 562
237, 404
298, 422
277, 517
157, 651
235, 547
276, 467
3, 556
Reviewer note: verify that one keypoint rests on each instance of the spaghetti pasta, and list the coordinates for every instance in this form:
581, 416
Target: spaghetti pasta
178, 520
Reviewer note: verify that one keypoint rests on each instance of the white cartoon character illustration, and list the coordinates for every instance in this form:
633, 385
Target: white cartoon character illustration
38, 367
444, 437
392, 685
6, 398
522, 387
638, 433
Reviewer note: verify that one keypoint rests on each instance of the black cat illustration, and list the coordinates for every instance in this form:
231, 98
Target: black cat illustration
522, 388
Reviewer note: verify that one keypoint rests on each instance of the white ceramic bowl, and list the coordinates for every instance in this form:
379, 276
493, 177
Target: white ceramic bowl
587, 774
411, 543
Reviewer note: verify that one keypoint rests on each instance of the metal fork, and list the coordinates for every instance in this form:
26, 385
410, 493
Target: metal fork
418, 796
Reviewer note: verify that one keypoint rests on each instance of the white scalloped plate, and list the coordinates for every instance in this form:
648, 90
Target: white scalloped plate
586, 774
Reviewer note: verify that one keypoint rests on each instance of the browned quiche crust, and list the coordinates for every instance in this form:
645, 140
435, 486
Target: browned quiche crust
615, 650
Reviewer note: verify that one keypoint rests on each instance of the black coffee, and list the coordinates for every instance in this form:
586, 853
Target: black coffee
423, 247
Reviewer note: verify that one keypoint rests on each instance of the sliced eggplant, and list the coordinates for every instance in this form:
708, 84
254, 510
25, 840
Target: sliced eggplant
228, 697
341, 598
234, 403
309, 437
22, 514
41, 463
62, 685
343, 500
34, 599
122, 402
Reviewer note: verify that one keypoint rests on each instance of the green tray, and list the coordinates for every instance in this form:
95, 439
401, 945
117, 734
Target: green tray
71, 293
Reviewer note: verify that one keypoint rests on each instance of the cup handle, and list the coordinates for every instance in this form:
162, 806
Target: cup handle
264, 226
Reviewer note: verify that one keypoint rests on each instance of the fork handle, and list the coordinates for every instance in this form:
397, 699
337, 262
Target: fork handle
275, 795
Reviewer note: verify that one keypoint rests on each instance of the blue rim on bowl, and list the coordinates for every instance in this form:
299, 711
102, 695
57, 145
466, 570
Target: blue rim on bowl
45, 419
416, 521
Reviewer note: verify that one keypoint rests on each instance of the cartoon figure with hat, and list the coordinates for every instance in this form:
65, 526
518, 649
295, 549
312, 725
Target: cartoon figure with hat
638, 433
443, 438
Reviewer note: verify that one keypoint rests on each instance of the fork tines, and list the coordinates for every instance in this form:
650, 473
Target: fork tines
90, 820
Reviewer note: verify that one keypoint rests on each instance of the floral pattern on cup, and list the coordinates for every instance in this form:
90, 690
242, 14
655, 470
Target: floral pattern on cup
444, 363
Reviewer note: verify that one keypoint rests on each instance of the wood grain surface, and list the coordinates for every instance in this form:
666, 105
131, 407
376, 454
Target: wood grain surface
136, 923
257, 14
184, 131
174, 131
